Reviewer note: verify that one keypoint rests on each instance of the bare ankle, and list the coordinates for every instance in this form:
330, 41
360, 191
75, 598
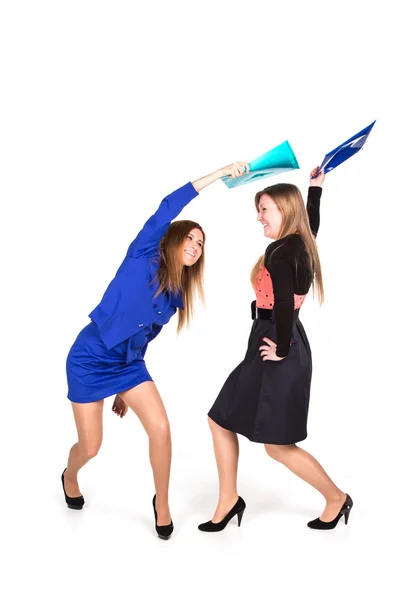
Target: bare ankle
73, 477
228, 498
337, 496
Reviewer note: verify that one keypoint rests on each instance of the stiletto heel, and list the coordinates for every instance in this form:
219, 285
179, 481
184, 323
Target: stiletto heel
344, 512
238, 510
74, 503
164, 532
240, 517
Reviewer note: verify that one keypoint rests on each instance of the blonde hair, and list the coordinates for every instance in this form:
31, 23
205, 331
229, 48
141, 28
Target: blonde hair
290, 202
175, 277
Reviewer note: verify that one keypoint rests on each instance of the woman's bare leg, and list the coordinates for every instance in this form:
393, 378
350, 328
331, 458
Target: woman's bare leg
147, 404
305, 466
89, 424
226, 450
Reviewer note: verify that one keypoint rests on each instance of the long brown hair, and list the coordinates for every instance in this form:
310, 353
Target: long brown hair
290, 202
175, 277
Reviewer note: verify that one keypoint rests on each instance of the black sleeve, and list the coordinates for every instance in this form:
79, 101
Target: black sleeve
280, 269
313, 202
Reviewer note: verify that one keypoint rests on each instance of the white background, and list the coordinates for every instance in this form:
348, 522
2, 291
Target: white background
106, 107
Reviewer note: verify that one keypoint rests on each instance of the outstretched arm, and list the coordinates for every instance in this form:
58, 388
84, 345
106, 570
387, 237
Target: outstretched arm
234, 170
147, 241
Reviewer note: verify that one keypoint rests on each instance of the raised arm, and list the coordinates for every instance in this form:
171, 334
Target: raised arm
234, 170
313, 199
148, 239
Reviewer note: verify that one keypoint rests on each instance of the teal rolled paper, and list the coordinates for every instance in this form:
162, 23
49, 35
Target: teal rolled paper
275, 161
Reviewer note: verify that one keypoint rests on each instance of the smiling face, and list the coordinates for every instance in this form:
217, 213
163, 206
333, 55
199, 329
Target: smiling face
269, 216
192, 247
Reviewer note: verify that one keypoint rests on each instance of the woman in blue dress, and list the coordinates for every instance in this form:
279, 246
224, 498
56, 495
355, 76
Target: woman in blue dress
162, 272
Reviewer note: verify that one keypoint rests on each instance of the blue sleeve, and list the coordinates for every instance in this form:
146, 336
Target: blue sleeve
148, 239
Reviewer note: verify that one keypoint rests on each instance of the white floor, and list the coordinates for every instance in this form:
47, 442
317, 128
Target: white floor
110, 549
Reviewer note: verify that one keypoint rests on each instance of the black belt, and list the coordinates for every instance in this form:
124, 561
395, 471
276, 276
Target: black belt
267, 314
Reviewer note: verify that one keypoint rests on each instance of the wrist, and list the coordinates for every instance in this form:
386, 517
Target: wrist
220, 173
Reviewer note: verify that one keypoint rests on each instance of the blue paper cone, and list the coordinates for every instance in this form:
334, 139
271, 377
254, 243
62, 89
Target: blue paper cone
279, 159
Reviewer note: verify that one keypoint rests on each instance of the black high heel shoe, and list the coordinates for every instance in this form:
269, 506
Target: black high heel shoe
238, 510
75, 503
164, 531
344, 512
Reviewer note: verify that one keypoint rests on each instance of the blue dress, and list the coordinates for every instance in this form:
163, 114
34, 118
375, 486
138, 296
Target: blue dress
94, 373
107, 357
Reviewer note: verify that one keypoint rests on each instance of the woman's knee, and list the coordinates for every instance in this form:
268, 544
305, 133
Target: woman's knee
89, 424
90, 448
160, 431
277, 452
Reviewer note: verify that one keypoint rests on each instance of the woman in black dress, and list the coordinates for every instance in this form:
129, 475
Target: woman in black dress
266, 397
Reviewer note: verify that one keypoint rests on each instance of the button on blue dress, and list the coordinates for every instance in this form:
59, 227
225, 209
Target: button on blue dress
95, 373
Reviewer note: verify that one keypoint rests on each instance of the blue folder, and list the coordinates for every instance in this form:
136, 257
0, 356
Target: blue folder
346, 150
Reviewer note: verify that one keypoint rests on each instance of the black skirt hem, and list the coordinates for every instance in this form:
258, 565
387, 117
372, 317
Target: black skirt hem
256, 441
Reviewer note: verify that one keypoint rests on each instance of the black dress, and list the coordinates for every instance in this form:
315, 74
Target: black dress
267, 401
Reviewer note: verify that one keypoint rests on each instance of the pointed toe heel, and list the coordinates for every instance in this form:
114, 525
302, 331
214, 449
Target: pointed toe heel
238, 510
164, 532
344, 512
74, 503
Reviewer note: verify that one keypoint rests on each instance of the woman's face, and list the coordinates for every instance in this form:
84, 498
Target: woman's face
269, 216
192, 247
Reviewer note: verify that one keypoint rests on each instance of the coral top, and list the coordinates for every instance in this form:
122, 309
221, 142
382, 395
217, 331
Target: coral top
284, 285
265, 293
